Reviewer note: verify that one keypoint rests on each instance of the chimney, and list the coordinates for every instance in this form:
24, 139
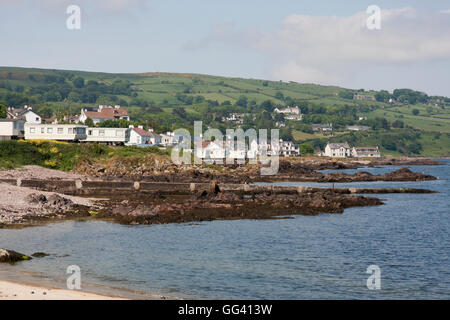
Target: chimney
117, 107
131, 126
150, 130
140, 127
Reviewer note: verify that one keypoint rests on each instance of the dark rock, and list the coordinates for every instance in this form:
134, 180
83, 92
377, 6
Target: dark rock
10, 256
40, 255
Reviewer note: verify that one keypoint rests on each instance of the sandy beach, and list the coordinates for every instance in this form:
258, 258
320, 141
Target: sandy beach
14, 291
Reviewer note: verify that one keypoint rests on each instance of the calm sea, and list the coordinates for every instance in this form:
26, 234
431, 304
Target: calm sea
319, 257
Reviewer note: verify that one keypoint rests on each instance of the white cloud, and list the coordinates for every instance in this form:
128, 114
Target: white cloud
333, 46
329, 49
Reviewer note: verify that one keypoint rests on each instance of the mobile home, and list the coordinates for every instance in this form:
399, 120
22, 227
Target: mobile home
63, 132
11, 129
117, 136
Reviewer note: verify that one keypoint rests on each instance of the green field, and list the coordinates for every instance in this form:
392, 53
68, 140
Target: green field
166, 101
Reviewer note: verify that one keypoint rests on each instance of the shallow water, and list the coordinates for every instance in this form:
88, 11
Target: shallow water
319, 257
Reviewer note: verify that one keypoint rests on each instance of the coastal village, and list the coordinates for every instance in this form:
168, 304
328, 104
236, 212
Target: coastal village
25, 123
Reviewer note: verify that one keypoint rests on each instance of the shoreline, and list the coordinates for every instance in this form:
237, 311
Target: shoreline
18, 284
17, 291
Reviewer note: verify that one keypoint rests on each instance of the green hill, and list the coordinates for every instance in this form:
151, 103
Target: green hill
169, 100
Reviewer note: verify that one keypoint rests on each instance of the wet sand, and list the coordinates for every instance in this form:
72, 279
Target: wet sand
15, 291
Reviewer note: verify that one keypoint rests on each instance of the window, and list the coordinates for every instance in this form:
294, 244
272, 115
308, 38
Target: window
32, 130
60, 130
37, 119
90, 132
101, 133
49, 130
42, 130
70, 130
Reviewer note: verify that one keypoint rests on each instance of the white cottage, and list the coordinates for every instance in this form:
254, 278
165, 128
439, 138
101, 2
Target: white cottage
141, 137
26, 113
337, 150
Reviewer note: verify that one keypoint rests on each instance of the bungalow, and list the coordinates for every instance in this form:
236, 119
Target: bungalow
337, 150
11, 129
366, 152
104, 113
140, 137
26, 113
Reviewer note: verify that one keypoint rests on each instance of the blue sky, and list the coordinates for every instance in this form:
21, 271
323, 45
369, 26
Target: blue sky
318, 41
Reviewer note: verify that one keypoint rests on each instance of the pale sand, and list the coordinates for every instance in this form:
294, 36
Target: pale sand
14, 291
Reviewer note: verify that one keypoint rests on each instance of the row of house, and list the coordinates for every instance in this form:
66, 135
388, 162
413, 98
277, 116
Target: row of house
131, 136
218, 150
343, 150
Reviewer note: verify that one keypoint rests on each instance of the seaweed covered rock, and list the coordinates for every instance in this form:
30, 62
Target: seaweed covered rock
10, 256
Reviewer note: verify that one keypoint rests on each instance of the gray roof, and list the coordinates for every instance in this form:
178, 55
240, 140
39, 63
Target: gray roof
339, 145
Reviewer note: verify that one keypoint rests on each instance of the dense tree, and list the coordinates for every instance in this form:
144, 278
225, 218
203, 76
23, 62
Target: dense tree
89, 122
306, 149
45, 112
242, 101
2, 111
382, 96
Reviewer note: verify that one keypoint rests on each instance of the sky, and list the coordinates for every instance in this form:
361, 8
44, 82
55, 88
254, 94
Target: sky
322, 41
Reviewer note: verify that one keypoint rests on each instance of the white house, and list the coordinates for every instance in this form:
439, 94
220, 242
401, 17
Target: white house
118, 136
289, 149
167, 139
64, 132
337, 150
141, 137
289, 110
210, 151
366, 152
26, 113
11, 129
104, 113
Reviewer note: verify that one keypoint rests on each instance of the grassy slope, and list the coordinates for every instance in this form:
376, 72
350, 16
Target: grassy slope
164, 86
64, 156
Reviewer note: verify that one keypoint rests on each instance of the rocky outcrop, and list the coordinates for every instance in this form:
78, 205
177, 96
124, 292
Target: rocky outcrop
54, 201
216, 205
403, 174
10, 256
295, 169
